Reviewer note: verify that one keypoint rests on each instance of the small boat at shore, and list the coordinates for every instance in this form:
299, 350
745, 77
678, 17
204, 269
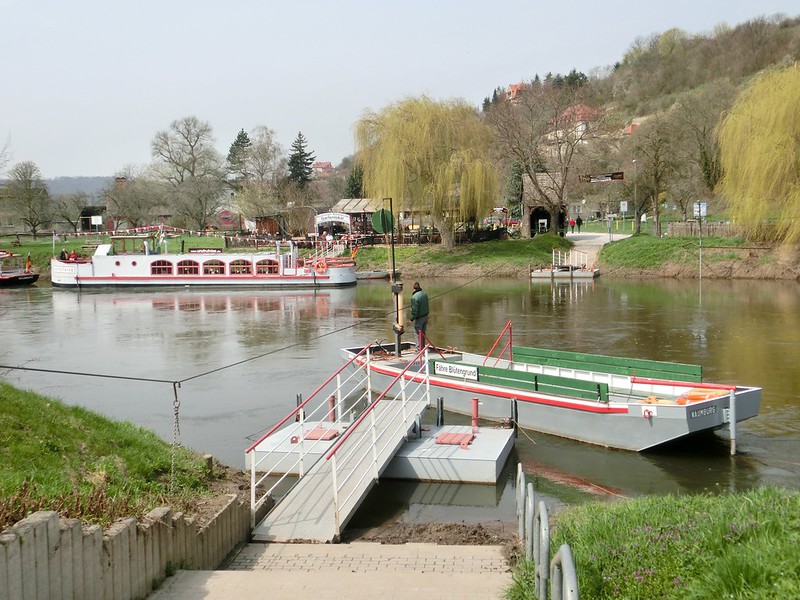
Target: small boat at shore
14, 272
143, 261
616, 402
375, 275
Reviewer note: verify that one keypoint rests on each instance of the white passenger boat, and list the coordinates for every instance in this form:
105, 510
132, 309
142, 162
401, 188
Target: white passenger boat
625, 403
141, 261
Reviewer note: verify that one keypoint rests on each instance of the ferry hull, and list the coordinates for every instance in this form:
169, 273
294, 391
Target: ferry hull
634, 426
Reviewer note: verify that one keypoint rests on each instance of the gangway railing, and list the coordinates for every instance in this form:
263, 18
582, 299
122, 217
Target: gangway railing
413, 393
333, 392
572, 259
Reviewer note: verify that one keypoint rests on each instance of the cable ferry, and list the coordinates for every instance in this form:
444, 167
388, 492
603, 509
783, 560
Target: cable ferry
616, 402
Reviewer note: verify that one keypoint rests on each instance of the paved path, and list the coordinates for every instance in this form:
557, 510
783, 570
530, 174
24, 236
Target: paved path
592, 242
354, 571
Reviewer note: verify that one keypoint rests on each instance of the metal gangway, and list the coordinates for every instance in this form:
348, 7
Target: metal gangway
572, 260
334, 479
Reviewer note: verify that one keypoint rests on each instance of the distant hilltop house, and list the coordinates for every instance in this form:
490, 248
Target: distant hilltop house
514, 90
322, 169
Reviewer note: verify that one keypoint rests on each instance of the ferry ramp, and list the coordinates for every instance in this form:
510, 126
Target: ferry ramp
319, 505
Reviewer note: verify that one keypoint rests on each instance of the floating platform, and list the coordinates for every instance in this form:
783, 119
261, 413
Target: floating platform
462, 455
453, 453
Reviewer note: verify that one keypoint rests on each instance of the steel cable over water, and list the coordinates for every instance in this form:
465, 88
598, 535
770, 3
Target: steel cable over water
176, 383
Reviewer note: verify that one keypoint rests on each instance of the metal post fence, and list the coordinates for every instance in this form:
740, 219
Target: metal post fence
534, 533
563, 577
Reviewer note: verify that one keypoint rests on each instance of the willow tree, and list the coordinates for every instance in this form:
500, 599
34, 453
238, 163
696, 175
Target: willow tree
760, 146
432, 157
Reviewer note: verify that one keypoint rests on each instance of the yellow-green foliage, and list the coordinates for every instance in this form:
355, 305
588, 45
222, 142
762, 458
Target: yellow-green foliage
760, 144
434, 155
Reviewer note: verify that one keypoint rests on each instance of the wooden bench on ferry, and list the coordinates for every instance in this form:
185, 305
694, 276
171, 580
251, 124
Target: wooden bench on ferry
639, 367
538, 382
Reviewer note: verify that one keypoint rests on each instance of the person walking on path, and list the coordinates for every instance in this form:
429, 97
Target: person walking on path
579, 222
572, 225
419, 312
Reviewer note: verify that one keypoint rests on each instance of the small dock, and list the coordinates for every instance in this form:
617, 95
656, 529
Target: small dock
572, 265
317, 468
438, 455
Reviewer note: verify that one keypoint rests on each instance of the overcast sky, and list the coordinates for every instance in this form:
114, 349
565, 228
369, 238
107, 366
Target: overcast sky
86, 84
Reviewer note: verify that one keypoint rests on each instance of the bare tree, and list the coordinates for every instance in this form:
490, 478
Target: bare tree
27, 195
542, 131
133, 197
194, 171
653, 145
5, 155
70, 206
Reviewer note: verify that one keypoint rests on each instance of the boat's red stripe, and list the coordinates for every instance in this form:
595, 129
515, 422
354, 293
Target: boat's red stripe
520, 395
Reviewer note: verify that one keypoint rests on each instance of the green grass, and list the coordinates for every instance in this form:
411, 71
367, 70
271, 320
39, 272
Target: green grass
66, 458
644, 251
519, 253
727, 546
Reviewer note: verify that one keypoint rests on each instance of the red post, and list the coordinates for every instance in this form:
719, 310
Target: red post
474, 413
332, 409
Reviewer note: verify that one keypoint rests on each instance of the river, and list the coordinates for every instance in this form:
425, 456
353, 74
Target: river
243, 357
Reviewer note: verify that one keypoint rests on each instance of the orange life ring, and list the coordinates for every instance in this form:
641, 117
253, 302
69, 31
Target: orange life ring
320, 267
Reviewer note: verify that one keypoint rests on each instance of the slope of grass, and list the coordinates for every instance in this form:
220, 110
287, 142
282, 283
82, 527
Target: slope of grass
706, 546
66, 458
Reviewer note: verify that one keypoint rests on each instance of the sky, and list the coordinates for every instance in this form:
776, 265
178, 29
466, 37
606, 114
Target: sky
85, 85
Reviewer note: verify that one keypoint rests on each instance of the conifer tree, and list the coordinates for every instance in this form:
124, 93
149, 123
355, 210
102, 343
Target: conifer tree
300, 161
355, 182
238, 158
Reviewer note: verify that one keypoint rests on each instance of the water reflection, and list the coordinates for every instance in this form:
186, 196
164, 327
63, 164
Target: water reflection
243, 358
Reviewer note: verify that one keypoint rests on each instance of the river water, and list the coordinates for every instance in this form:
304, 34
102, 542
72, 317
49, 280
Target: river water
243, 357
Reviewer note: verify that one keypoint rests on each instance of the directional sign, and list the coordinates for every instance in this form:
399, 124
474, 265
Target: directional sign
615, 176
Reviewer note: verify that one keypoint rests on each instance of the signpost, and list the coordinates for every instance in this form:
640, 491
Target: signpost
700, 211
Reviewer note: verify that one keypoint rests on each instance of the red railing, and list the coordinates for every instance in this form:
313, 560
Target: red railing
508, 346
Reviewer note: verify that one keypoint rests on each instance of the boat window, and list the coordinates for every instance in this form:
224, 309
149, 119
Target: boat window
241, 267
188, 267
267, 267
213, 267
161, 267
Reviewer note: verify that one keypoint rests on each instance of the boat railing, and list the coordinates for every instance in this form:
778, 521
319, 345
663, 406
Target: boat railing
424, 338
507, 346
329, 412
412, 395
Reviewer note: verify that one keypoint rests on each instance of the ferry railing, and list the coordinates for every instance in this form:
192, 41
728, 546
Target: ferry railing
534, 532
336, 389
507, 346
412, 392
425, 340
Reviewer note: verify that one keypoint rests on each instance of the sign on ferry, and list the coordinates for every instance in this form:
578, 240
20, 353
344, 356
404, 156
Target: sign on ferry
456, 370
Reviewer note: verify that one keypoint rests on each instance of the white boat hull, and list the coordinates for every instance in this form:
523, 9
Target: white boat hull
192, 270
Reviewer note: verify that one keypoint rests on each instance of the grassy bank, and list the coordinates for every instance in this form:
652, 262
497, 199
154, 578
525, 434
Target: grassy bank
727, 546
504, 258
640, 255
83, 465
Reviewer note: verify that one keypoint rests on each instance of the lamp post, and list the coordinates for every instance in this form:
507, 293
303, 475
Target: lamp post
635, 203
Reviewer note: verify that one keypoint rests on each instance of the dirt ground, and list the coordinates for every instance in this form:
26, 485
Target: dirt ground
228, 480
